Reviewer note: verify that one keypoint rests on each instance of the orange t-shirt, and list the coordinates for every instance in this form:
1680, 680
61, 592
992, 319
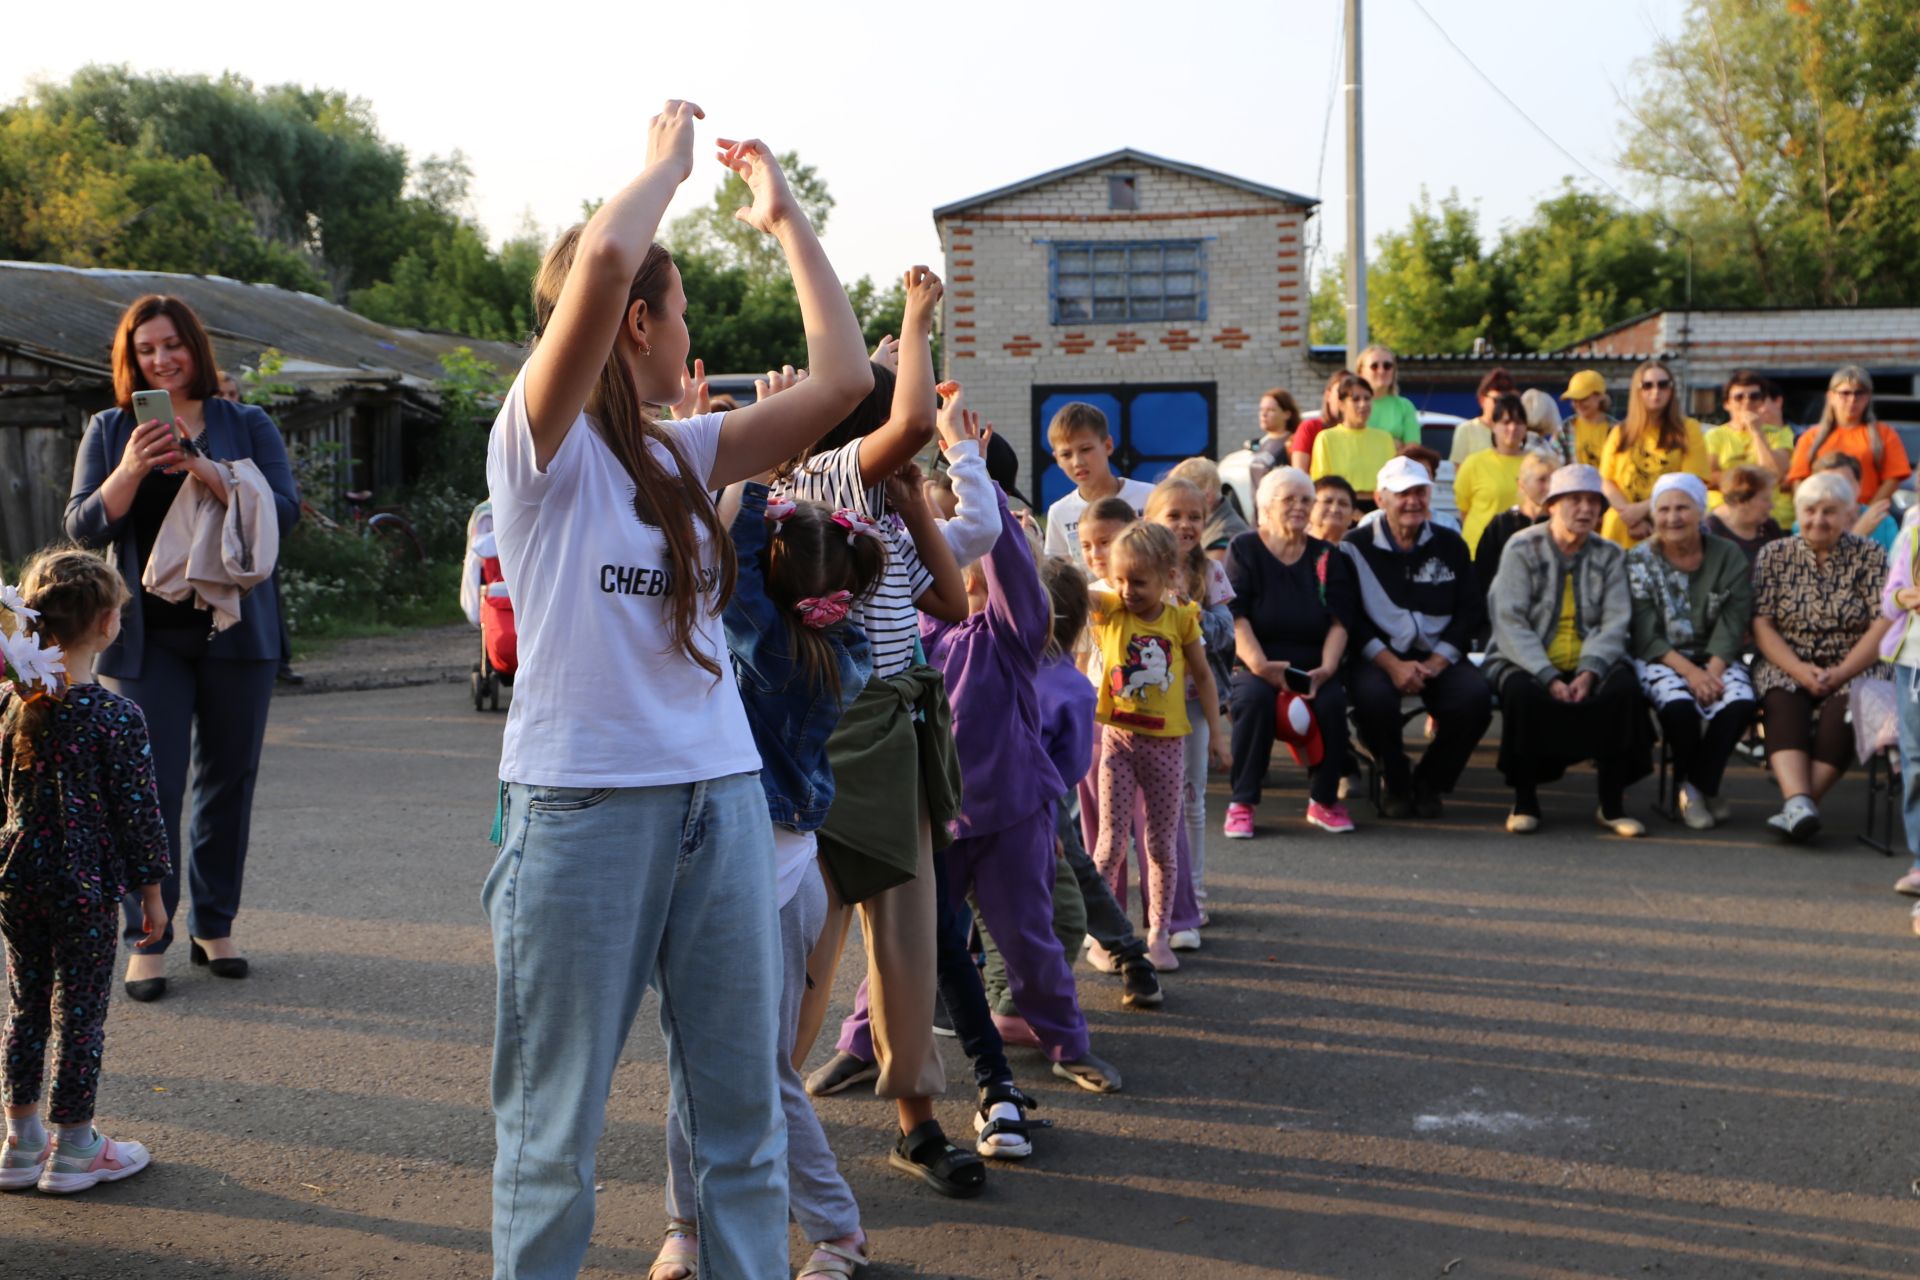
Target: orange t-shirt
1857, 443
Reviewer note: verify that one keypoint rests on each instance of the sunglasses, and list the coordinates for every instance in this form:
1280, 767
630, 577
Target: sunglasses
1849, 392
1660, 384
1746, 397
1380, 364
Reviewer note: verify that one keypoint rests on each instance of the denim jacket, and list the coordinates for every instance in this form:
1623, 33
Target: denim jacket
790, 719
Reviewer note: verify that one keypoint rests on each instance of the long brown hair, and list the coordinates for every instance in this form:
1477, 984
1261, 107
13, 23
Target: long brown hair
127, 377
72, 589
1193, 565
1672, 425
669, 501
811, 556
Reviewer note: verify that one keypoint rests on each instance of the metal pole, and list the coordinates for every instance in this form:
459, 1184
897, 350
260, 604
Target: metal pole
1356, 201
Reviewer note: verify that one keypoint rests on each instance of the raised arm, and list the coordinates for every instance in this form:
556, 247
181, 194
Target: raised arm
768, 432
756, 634
976, 522
946, 598
592, 306
910, 421
1017, 607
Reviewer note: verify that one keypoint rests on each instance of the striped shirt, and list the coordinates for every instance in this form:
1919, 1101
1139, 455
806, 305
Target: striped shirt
887, 615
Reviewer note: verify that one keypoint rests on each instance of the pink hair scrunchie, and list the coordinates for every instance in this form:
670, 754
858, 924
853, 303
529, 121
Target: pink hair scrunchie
855, 524
821, 612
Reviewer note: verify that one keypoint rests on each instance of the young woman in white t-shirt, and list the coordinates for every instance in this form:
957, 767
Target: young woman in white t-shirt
636, 843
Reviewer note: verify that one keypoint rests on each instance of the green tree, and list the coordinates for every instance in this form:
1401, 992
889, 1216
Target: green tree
1579, 264
1327, 305
712, 230
1429, 287
1785, 137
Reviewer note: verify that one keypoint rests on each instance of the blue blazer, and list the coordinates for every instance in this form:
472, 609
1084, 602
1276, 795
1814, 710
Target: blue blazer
234, 431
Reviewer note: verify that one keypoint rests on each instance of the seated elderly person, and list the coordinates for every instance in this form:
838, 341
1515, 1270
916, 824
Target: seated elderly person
1745, 514
1817, 624
1418, 607
1289, 590
1561, 615
1692, 605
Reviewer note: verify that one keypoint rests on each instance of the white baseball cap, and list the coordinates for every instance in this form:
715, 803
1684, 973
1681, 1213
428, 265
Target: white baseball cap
1402, 474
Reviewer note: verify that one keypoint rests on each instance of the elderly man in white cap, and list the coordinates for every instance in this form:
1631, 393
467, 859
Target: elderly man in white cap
1562, 616
1420, 607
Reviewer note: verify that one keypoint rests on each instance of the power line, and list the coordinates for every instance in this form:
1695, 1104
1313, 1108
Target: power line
1326, 131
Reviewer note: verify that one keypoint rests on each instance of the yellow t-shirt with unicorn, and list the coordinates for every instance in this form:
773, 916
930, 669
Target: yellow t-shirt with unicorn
1143, 685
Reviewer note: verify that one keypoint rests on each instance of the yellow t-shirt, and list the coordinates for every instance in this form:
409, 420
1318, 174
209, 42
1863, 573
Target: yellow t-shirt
1143, 685
1486, 484
1563, 651
1731, 447
1635, 470
1589, 439
1469, 438
1355, 455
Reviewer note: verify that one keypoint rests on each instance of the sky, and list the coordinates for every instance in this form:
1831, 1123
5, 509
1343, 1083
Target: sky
907, 108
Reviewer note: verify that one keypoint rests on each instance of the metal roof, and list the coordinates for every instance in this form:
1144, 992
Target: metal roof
1127, 155
66, 316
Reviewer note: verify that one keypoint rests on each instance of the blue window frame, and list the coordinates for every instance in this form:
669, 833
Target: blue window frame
1108, 281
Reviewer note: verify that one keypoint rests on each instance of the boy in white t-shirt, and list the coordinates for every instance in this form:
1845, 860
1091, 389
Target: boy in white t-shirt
1084, 449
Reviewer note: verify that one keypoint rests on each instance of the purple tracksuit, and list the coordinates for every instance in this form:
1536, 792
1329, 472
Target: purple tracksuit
1004, 855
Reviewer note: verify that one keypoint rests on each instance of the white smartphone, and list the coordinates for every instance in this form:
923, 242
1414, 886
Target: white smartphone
149, 405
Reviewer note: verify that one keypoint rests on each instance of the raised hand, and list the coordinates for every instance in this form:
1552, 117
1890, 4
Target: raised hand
695, 396
905, 491
923, 290
773, 202
955, 421
886, 353
776, 381
670, 137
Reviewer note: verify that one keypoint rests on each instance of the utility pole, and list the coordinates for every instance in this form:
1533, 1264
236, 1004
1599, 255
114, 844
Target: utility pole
1356, 198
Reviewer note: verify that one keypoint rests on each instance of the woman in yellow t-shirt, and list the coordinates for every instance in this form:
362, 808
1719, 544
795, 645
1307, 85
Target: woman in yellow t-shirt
1352, 450
1488, 482
1655, 440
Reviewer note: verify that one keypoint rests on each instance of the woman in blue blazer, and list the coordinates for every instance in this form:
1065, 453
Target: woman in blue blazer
205, 696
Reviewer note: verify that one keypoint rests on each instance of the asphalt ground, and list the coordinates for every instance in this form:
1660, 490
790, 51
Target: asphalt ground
1426, 1049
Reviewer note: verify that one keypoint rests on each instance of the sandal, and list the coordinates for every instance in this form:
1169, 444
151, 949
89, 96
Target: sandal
679, 1256
926, 1154
1002, 1137
832, 1260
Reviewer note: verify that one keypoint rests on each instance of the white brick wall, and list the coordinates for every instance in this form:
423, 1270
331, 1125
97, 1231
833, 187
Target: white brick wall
999, 341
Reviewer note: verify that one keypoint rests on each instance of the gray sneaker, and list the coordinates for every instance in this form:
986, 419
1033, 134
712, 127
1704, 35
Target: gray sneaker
1090, 1073
839, 1073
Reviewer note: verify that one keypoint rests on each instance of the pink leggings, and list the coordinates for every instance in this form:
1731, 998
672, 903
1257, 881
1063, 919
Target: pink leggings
1155, 769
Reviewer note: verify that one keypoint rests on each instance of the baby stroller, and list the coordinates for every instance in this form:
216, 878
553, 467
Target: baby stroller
483, 595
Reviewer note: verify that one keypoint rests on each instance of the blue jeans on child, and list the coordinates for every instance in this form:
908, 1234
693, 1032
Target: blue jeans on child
597, 894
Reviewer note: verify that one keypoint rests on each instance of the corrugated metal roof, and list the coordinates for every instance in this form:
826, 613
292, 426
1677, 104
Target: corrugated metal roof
66, 316
1126, 155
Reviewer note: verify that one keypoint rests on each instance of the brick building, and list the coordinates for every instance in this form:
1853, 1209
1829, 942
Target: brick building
1167, 294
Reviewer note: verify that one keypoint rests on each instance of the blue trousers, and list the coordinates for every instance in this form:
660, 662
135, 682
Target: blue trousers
212, 712
598, 894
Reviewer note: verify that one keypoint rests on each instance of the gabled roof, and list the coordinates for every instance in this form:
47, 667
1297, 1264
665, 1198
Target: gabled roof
1127, 155
65, 316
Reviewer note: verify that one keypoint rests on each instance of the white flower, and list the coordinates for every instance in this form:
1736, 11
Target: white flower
10, 599
31, 662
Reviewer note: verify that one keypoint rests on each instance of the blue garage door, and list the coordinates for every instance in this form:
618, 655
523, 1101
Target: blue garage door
1153, 428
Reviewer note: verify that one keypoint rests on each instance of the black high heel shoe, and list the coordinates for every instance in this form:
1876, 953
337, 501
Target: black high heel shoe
224, 967
145, 990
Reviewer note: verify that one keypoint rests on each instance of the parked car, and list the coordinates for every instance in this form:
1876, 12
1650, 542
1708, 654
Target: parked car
1436, 432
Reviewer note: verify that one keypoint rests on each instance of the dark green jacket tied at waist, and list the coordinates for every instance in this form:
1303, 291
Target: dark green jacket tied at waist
894, 742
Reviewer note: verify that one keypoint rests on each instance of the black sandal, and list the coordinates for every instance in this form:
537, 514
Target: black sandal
927, 1155
1000, 1138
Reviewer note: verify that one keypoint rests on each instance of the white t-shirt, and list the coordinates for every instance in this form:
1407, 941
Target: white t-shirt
887, 615
1063, 517
603, 697
793, 856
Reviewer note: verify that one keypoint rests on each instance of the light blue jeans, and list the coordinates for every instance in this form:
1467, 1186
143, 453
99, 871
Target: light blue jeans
1906, 685
596, 895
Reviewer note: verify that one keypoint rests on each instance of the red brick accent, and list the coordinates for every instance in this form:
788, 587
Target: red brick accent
964, 309
963, 355
1232, 336
1126, 341
963, 324
960, 231
963, 337
967, 279
1075, 344
963, 262
1177, 340
1119, 217
1022, 346
1285, 311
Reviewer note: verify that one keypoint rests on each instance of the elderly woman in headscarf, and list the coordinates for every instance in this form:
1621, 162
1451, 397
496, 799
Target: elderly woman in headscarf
1817, 624
1561, 616
1287, 586
1692, 605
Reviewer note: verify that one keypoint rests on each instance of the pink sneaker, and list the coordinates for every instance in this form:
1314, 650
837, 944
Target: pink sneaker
110, 1162
1239, 823
1329, 817
21, 1168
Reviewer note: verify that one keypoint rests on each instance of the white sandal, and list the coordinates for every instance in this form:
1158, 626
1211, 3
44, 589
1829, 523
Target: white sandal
679, 1253
837, 1262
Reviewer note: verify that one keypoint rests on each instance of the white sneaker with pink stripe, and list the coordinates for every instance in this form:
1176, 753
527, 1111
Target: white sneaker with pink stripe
110, 1161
